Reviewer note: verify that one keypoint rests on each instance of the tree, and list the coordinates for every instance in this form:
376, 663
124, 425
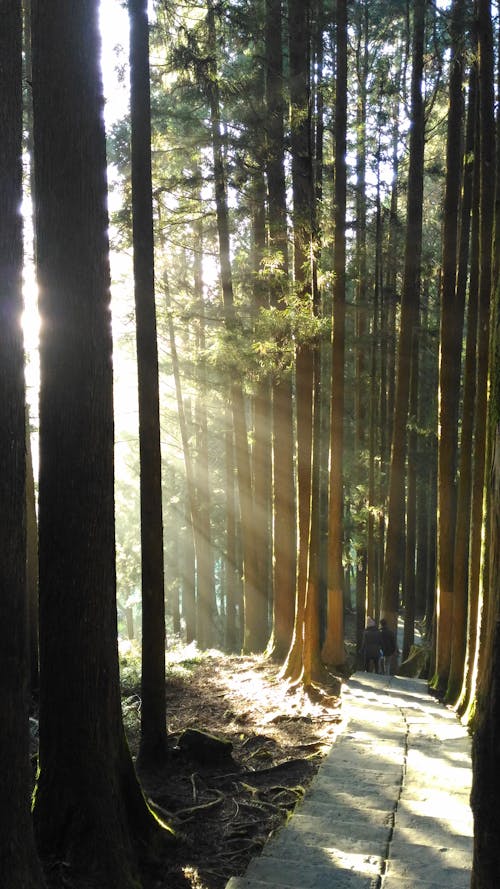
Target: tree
409, 315
18, 859
452, 313
252, 593
283, 448
89, 809
333, 648
153, 707
486, 776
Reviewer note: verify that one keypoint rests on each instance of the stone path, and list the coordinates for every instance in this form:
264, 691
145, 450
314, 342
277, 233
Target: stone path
389, 806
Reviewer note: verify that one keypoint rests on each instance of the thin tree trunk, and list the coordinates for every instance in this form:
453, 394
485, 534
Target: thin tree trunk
333, 648
302, 186
252, 592
409, 315
153, 706
452, 313
284, 519
202, 529
361, 392
460, 633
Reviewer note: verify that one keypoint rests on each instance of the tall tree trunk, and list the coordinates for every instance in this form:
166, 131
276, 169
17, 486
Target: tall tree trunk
202, 525
333, 648
261, 454
284, 518
486, 775
361, 392
409, 315
205, 605
252, 592
461, 615
478, 554
452, 313
303, 200
89, 809
153, 706
18, 860
231, 635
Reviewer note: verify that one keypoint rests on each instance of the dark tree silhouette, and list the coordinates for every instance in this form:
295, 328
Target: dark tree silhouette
89, 808
19, 865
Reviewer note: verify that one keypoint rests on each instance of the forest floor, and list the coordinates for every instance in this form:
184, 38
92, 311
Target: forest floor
224, 807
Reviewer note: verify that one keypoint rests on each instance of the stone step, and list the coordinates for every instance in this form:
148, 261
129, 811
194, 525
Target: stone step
299, 875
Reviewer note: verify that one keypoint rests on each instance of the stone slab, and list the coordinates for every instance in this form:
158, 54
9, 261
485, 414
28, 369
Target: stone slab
357, 797
341, 774
323, 880
313, 846
343, 809
440, 807
395, 882
432, 869
418, 854
277, 872
456, 825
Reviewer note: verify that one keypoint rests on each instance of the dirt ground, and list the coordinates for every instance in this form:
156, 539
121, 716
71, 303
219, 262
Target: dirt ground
225, 805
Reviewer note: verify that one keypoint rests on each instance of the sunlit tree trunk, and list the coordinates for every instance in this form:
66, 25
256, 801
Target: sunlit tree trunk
252, 592
479, 563
231, 635
19, 865
284, 519
486, 774
333, 647
202, 497
89, 809
302, 186
205, 605
409, 315
153, 707
261, 452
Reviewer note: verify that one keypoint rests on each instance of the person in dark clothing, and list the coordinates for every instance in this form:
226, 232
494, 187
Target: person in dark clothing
388, 645
371, 646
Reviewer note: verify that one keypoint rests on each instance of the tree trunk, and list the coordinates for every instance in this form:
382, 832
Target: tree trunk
261, 453
478, 558
202, 526
452, 314
362, 390
252, 592
89, 809
409, 314
303, 201
153, 707
461, 614
333, 647
284, 519
19, 865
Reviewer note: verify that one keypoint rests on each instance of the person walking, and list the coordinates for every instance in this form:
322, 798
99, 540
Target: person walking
371, 646
388, 645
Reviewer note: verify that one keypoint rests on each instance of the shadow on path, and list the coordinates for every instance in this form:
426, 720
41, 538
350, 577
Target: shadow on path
389, 806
